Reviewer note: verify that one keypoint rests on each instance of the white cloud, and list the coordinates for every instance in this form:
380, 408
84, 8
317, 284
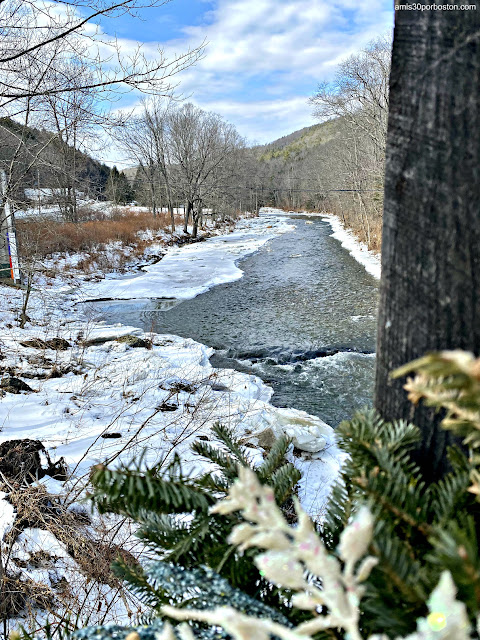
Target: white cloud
264, 120
265, 57
251, 36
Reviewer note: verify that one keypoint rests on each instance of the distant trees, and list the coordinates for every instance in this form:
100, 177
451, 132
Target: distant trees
184, 155
358, 96
204, 153
73, 115
56, 61
346, 153
145, 138
118, 188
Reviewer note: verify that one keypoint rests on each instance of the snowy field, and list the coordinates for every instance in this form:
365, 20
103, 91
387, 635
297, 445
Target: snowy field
101, 399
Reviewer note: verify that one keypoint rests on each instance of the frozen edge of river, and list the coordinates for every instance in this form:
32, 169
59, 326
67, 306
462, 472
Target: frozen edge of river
368, 259
53, 317
358, 250
187, 271
226, 251
113, 387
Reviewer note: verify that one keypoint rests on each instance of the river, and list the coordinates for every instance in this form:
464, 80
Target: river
302, 317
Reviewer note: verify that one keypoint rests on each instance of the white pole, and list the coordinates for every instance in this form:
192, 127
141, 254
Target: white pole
11, 236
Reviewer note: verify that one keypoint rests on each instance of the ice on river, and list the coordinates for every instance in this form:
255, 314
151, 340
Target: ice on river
187, 271
357, 249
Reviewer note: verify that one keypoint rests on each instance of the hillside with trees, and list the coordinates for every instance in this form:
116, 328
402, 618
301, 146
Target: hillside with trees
337, 166
42, 166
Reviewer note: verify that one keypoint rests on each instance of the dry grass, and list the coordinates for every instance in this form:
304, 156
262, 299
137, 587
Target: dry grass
20, 596
365, 222
375, 227
36, 508
46, 237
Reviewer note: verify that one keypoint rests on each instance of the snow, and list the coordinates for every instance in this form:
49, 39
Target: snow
43, 205
115, 402
45, 194
33, 540
357, 249
122, 390
7, 515
187, 271
112, 388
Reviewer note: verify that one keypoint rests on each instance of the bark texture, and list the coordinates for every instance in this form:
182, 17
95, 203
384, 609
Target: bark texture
430, 289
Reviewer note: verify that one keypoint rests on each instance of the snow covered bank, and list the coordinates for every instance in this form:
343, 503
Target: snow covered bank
102, 399
187, 271
357, 249
114, 400
108, 393
106, 387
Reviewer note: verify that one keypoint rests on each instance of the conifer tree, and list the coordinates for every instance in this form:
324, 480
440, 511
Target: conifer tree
173, 511
422, 537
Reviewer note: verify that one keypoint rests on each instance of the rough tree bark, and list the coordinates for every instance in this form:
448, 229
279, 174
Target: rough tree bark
430, 288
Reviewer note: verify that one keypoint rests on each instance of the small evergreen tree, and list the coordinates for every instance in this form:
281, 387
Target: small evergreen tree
395, 555
173, 511
118, 188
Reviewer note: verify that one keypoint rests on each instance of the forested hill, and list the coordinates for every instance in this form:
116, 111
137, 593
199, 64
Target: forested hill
46, 161
338, 165
330, 166
300, 143
301, 166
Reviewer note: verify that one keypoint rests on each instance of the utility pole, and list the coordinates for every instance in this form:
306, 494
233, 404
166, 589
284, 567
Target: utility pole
9, 263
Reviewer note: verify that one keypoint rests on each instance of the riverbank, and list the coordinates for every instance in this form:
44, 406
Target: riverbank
183, 273
93, 392
368, 258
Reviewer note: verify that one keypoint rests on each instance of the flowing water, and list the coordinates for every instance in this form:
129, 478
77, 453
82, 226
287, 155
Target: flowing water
303, 318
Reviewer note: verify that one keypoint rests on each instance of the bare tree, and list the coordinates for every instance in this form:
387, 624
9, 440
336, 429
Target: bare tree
359, 92
145, 141
203, 147
33, 34
358, 98
156, 120
74, 116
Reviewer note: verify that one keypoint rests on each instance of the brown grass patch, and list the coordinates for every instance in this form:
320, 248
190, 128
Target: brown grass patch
36, 508
93, 553
42, 237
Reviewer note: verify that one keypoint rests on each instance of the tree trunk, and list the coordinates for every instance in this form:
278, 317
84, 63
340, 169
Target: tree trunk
170, 203
196, 215
187, 216
23, 313
430, 288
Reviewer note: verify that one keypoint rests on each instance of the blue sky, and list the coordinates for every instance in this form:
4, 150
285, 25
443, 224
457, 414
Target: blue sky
264, 58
